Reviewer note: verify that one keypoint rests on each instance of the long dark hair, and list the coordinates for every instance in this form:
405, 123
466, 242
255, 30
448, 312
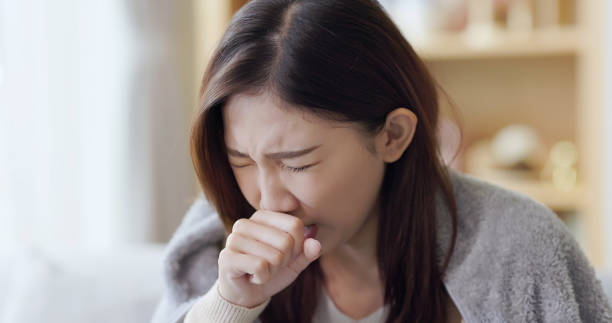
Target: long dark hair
343, 60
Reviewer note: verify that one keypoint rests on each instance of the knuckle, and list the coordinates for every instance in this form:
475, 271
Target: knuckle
230, 242
222, 257
287, 243
261, 268
257, 214
239, 224
223, 253
277, 258
296, 226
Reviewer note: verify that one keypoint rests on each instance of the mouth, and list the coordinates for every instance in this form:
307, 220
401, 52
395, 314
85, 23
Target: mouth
310, 231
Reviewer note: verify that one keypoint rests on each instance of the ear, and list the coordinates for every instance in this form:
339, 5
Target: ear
394, 138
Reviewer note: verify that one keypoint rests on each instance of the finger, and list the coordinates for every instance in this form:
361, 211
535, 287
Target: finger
312, 251
269, 235
288, 223
239, 243
239, 264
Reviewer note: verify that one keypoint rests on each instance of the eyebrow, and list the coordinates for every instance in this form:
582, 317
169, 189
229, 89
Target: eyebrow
278, 155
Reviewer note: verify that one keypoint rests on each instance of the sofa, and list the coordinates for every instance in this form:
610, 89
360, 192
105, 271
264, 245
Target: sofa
67, 285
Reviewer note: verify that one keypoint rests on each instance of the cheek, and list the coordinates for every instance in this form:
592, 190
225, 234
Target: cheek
344, 192
247, 182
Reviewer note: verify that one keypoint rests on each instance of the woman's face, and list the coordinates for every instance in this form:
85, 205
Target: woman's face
334, 181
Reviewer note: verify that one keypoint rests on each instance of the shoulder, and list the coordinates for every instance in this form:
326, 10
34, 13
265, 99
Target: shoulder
510, 219
515, 260
190, 261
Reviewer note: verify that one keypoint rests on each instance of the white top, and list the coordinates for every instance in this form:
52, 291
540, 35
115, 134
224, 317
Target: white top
212, 308
328, 312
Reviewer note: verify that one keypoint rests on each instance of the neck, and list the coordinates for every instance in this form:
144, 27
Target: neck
355, 259
352, 279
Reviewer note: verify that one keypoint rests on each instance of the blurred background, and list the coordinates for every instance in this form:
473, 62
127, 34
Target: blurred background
96, 100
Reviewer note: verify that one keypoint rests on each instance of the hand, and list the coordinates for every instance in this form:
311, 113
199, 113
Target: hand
262, 256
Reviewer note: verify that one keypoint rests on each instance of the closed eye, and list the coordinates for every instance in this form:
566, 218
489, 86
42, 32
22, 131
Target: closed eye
296, 169
285, 167
239, 166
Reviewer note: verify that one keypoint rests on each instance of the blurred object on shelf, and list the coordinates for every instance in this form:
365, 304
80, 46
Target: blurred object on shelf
418, 18
451, 15
481, 18
554, 13
520, 15
413, 17
478, 19
449, 136
561, 168
517, 147
500, 12
567, 12
514, 159
479, 162
547, 13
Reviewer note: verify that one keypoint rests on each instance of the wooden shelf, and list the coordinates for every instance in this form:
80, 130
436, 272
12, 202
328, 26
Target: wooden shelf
499, 44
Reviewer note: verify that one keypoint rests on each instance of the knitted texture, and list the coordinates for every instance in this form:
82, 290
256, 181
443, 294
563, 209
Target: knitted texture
514, 260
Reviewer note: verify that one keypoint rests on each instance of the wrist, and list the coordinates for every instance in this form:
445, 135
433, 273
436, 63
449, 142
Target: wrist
247, 304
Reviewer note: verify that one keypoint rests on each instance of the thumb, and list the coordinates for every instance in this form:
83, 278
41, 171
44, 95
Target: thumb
312, 251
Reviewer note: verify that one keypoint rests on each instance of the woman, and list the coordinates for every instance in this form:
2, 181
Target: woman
316, 148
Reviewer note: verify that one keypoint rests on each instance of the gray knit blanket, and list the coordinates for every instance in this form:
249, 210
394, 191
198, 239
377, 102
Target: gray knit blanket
514, 261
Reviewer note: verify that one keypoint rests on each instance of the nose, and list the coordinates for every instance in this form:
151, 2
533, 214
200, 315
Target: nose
274, 195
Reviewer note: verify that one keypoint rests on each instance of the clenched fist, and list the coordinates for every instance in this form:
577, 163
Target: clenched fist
263, 255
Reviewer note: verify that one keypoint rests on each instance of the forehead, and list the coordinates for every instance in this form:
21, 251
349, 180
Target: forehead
263, 121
